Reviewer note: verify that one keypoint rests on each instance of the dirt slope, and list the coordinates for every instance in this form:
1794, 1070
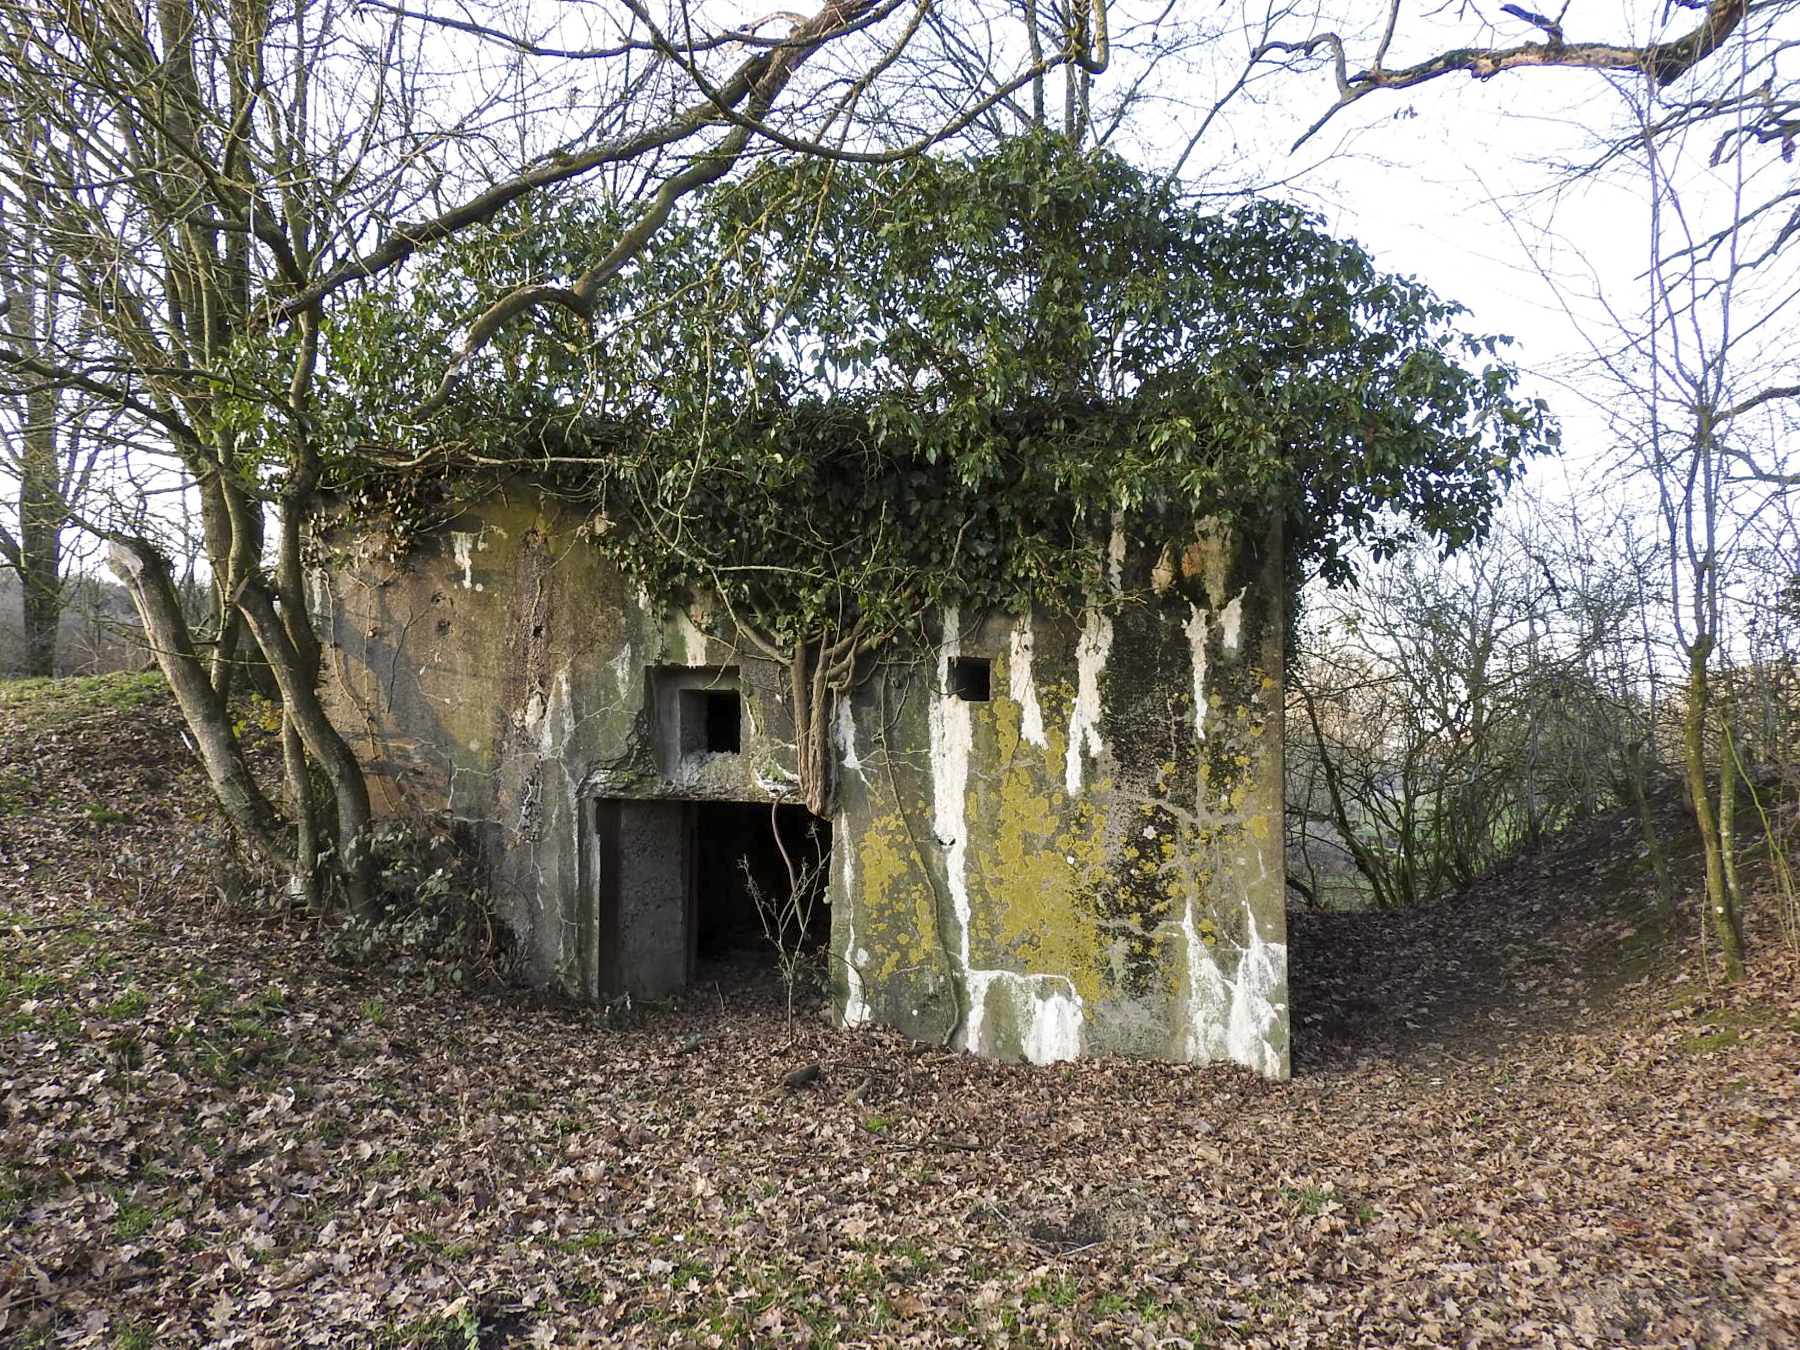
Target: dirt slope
1518, 1119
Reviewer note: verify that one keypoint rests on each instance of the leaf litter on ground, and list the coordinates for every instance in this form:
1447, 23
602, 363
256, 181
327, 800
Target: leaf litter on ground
1523, 1117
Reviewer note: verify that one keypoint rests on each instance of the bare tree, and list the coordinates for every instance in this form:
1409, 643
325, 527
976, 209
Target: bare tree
51, 446
217, 178
1698, 109
1448, 713
1677, 36
786, 912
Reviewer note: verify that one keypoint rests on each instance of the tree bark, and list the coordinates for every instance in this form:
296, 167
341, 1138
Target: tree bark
36, 554
146, 575
1721, 911
300, 700
1729, 776
305, 881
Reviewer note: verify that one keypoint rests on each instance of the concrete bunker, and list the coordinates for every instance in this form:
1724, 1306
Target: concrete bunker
1050, 834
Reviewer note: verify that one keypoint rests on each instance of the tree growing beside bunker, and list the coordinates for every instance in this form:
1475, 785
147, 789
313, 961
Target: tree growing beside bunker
214, 181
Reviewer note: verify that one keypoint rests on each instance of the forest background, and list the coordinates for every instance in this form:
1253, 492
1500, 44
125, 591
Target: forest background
198, 207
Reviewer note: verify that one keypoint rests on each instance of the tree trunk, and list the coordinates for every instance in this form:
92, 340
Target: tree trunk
304, 884
811, 698
41, 515
43, 600
1721, 910
1729, 776
300, 700
145, 574
37, 553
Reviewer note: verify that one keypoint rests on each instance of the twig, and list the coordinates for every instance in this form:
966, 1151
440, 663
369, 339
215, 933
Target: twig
57, 1291
939, 1145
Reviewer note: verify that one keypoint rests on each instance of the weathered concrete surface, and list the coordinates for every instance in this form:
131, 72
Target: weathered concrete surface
1088, 862
641, 932
499, 671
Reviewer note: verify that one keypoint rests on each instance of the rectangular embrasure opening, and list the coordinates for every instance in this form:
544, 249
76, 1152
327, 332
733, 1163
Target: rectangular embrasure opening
971, 678
712, 721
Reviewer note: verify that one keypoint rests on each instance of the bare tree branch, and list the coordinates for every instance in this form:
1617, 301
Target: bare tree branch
1664, 62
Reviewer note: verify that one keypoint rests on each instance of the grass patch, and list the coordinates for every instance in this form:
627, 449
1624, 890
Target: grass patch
40, 705
436, 1246
132, 1003
18, 795
17, 1187
1060, 1291
457, 1331
1709, 1042
134, 1220
597, 1240
1313, 1201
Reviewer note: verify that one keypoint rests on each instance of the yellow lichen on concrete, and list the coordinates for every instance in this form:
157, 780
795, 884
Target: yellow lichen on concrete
896, 913
1038, 914
1031, 904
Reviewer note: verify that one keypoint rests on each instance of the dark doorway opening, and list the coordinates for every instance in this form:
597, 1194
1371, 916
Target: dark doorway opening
737, 857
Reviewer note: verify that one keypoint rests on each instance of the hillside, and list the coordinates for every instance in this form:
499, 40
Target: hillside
1523, 1117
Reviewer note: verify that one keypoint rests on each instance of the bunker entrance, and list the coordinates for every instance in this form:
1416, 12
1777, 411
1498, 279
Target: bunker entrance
675, 883
742, 881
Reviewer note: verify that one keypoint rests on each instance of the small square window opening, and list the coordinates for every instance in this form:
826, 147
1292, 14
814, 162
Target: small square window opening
971, 678
724, 723
712, 721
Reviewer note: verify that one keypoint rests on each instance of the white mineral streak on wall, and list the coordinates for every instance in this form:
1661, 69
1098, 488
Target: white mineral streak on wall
1021, 685
555, 731
1261, 973
1047, 1008
693, 641
856, 1004
1234, 1019
555, 717
846, 739
1084, 718
1232, 620
1196, 632
777, 786
463, 543
1053, 1031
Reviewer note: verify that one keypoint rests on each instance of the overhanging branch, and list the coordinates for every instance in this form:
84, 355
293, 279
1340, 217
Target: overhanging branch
1664, 62
762, 75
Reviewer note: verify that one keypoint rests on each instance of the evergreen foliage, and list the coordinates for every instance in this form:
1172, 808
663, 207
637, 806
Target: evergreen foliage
834, 397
